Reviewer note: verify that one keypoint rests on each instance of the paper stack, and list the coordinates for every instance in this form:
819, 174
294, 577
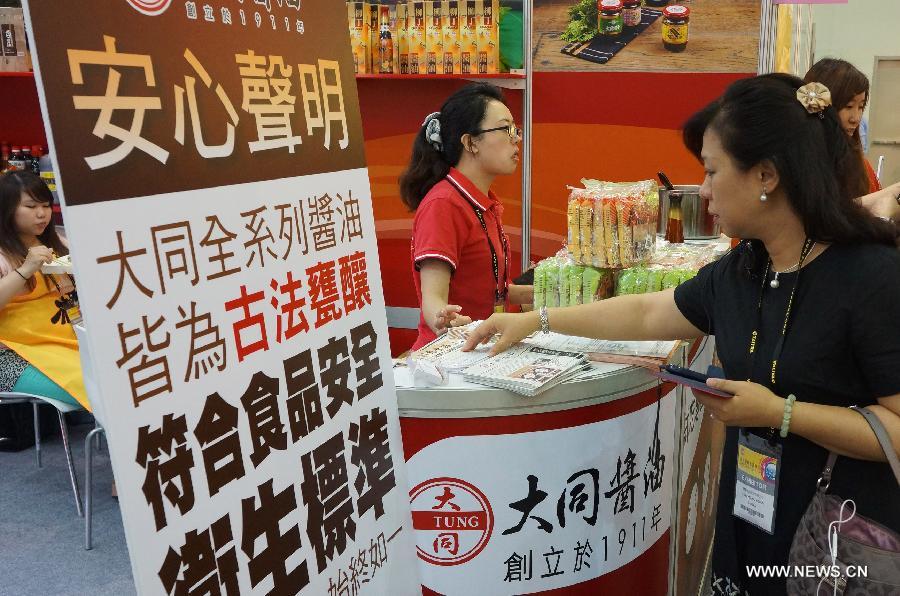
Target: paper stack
527, 370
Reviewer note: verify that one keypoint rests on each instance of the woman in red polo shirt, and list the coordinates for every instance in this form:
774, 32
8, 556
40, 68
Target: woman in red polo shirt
460, 253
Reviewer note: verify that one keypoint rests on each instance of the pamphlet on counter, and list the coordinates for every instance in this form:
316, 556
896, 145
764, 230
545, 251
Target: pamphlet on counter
539, 362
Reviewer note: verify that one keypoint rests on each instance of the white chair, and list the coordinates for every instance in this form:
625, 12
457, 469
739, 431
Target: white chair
62, 409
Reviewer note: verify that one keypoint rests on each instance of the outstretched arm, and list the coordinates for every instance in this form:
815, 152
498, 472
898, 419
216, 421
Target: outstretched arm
638, 317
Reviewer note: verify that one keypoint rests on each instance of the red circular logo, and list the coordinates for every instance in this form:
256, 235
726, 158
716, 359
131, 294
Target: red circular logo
453, 520
150, 7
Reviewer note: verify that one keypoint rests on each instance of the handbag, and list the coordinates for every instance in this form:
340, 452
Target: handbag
831, 534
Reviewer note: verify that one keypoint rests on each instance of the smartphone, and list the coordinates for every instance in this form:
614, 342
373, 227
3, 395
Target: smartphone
688, 378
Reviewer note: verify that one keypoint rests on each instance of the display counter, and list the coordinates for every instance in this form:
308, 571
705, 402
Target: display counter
570, 491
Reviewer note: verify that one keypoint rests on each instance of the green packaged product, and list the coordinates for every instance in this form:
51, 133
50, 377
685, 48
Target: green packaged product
626, 281
552, 285
540, 286
590, 282
671, 279
564, 272
687, 274
654, 280
576, 275
641, 281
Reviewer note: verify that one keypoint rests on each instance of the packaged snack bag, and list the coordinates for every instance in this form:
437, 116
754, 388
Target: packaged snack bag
610, 236
552, 286
627, 281
671, 279
585, 218
540, 286
654, 280
624, 214
574, 229
590, 283
564, 273
687, 274
576, 279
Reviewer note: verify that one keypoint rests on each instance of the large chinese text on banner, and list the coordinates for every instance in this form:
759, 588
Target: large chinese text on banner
211, 161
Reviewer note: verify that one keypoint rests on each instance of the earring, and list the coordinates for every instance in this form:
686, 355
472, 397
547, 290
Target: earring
763, 197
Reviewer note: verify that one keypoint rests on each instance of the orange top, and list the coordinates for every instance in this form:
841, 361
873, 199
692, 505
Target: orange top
874, 184
25, 328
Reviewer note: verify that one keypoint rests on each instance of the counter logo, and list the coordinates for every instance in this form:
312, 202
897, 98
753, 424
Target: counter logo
150, 7
453, 520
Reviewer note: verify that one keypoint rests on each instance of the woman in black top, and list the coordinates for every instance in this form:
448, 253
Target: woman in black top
821, 277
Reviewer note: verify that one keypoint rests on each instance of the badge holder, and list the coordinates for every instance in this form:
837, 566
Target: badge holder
756, 484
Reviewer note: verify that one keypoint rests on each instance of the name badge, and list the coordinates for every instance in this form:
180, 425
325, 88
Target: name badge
756, 487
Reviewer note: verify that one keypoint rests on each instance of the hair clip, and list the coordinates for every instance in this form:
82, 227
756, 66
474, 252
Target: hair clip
814, 97
432, 126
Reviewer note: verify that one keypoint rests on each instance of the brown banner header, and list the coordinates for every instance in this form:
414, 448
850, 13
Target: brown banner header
264, 89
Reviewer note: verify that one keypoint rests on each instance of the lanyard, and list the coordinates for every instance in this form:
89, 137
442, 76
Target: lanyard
499, 295
754, 337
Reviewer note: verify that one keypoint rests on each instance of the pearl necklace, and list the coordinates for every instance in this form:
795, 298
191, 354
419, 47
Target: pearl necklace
774, 284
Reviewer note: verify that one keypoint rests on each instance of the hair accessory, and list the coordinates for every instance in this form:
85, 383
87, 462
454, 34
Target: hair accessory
432, 126
815, 97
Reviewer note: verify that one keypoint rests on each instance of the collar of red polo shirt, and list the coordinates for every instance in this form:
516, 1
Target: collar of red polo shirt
473, 194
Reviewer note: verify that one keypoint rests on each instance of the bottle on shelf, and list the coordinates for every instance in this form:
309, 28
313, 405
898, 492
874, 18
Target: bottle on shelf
15, 161
47, 174
27, 159
36, 152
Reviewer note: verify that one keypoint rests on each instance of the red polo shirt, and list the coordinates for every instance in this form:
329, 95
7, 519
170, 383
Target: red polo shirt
446, 227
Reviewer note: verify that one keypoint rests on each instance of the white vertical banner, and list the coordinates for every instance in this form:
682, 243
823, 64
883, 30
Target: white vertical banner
210, 159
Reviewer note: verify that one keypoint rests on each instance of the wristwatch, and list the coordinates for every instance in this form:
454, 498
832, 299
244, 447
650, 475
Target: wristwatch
545, 320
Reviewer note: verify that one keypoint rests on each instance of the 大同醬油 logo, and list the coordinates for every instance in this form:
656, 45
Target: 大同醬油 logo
453, 520
150, 7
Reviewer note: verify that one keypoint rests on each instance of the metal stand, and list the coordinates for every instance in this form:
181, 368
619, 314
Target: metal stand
64, 430
88, 487
37, 433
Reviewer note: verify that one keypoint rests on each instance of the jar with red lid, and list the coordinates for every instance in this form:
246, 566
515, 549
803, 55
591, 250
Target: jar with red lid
675, 27
609, 19
631, 13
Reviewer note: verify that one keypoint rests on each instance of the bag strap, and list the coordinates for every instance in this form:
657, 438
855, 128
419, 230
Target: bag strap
883, 438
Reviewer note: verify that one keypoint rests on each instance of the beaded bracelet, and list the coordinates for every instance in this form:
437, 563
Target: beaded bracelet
788, 409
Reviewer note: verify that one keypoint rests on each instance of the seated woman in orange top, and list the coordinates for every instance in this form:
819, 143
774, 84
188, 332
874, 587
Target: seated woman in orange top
849, 95
37, 356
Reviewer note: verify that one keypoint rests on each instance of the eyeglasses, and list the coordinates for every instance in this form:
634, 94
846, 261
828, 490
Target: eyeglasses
512, 130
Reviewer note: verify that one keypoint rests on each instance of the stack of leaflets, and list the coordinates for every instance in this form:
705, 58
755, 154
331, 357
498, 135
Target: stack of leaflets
540, 361
445, 350
527, 370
